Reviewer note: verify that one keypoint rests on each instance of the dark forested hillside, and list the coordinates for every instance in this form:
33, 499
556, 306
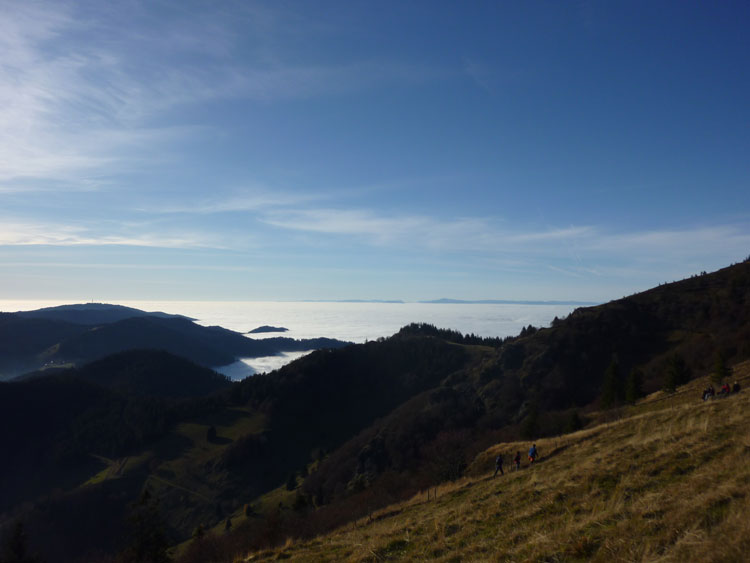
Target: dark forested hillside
152, 373
61, 426
344, 430
695, 319
212, 346
208, 346
22, 341
91, 313
327, 397
51, 425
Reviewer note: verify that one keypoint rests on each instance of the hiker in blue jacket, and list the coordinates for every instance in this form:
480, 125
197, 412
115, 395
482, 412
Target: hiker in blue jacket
532, 453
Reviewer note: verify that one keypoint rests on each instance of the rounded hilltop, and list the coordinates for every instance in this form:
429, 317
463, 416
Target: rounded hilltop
267, 328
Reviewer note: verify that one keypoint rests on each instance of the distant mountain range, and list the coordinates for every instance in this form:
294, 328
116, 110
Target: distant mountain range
506, 302
73, 335
449, 301
352, 301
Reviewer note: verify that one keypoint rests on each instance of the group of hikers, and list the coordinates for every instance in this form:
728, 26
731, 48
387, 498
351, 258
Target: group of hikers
516, 460
710, 393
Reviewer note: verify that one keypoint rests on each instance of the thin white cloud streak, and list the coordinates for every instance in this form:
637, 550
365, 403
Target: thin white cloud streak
677, 244
472, 238
348, 222
259, 197
553, 235
462, 234
481, 235
47, 234
255, 200
131, 266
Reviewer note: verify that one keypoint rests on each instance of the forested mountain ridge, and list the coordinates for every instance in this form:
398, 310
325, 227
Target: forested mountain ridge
92, 313
50, 425
370, 424
696, 319
152, 373
70, 336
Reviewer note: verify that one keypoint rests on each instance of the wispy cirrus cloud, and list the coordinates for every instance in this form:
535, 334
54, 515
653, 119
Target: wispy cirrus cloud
487, 244
17, 233
678, 244
253, 200
567, 233
60, 106
589, 243
475, 234
86, 88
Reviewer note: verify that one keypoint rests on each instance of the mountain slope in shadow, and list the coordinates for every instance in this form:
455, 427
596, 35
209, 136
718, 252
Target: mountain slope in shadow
75, 335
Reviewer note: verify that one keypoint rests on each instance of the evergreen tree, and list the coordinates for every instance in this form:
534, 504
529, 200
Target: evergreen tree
199, 532
678, 373
291, 482
447, 454
670, 382
300, 502
721, 372
611, 388
681, 369
574, 422
530, 424
16, 547
634, 386
148, 538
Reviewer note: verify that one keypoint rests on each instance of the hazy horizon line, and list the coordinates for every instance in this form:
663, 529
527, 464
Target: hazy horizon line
441, 301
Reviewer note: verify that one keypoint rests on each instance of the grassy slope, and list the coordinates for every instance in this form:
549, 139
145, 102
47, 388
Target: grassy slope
176, 475
664, 480
172, 467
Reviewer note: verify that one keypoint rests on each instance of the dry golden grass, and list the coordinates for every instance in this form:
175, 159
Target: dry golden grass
665, 480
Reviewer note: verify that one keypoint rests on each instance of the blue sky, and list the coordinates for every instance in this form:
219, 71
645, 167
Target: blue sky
395, 150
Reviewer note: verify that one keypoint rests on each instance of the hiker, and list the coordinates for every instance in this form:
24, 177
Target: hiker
725, 389
499, 465
532, 453
517, 460
736, 387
